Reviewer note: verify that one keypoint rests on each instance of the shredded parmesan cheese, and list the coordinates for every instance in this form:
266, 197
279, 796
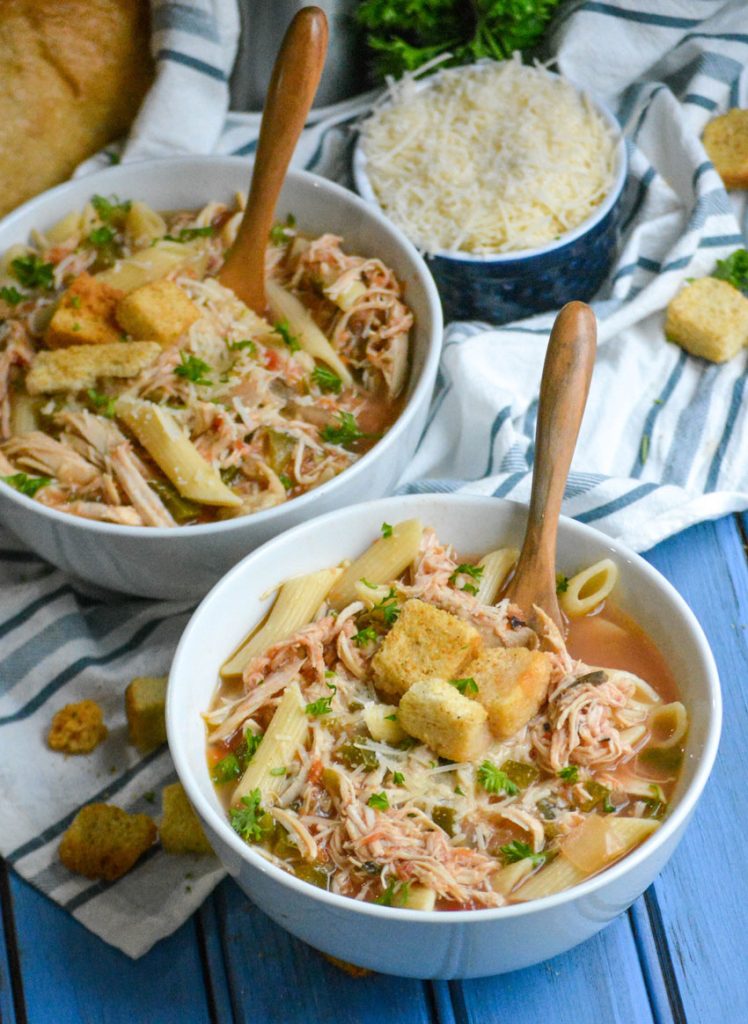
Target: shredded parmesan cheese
492, 158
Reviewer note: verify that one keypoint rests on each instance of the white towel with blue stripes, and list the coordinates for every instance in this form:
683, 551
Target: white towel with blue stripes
664, 442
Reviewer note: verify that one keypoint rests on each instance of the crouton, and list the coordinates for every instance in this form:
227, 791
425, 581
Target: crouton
104, 841
160, 310
726, 142
180, 830
85, 315
441, 717
424, 643
708, 318
80, 366
77, 728
145, 706
512, 685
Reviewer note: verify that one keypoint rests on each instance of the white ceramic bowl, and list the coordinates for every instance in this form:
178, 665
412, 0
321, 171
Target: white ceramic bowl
185, 562
424, 944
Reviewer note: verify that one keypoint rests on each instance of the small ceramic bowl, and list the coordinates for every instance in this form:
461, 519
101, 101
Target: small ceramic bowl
185, 562
509, 286
429, 944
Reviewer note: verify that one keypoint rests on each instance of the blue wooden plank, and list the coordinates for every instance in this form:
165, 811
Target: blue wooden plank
703, 892
209, 934
70, 976
601, 980
7, 938
276, 979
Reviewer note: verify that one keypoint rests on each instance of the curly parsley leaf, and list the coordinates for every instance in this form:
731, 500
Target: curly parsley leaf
475, 572
379, 801
101, 237
494, 780
365, 636
326, 380
569, 774
386, 530
517, 850
11, 295
734, 269
283, 329
103, 404
246, 819
26, 484
193, 369
32, 272
111, 209
346, 432
396, 893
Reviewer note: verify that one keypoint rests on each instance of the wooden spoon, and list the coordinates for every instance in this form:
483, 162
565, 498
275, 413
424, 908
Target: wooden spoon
563, 395
296, 75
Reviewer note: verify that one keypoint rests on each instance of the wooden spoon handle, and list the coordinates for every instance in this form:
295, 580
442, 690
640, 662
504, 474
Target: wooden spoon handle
567, 373
296, 75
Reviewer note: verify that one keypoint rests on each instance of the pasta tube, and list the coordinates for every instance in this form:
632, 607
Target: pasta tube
510, 876
297, 601
418, 897
381, 721
280, 744
153, 263
589, 588
669, 724
382, 562
172, 450
143, 224
286, 306
496, 567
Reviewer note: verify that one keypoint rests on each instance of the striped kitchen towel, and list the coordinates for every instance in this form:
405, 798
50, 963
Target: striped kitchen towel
664, 443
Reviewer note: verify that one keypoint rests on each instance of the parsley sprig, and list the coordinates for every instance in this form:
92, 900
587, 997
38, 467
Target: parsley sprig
246, 819
279, 233
32, 272
517, 850
111, 208
193, 369
396, 893
734, 269
26, 484
475, 572
103, 404
11, 295
379, 801
569, 774
326, 380
322, 706
283, 329
188, 234
494, 780
346, 432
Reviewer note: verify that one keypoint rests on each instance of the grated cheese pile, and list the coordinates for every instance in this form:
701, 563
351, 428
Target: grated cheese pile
492, 158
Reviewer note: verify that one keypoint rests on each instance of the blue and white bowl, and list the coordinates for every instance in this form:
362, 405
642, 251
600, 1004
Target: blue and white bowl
509, 286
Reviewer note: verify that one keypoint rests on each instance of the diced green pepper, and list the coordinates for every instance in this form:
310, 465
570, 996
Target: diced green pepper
352, 756
521, 773
445, 817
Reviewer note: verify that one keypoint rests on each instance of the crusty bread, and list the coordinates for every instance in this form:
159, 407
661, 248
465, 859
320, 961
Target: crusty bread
73, 73
180, 830
441, 717
726, 142
512, 685
85, 315
145, 706
77, 728
80, 366
160, 311
708, 318
103, 841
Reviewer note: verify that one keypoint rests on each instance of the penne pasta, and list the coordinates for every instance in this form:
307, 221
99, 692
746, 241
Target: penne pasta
68, 227
668, 724
23, 413
418, 897
496, 567
381, 721
280, 744
286, 306
297, 601
509, 877
143, 224
589, 588
162, 437
154, 262
386, 559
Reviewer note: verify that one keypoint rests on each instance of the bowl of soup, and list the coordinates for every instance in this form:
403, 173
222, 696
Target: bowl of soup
153, 429
403, 771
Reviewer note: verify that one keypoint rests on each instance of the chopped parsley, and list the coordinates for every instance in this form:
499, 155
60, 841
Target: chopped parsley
386, 530
103, 404
280, 770
395, 891
570, 773
226, 770
517, 850
346, 432
475, 572
111, 208
323, 706
11, 295
240, 346
494, 780
27, 485
188, 234
246, 819
465, 686
326, 380
286, 481
102, 236
31, 272
193, 369
388, 608
279, 234
734, 269
398, 778
365, 636
562, 583
283, 329
378, 801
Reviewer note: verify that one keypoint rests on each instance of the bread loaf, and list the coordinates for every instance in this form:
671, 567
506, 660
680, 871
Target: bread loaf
74, 73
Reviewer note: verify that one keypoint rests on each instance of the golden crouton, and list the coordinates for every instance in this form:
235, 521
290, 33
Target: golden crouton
726, 143
708, 318
145, 705
438, 714
512, 685
424, 643
85, 315
80, 366
160, 310
104, 841
77, 728
180, 830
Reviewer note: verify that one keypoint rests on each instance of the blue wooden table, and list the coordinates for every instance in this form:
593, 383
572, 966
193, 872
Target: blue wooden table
679, 955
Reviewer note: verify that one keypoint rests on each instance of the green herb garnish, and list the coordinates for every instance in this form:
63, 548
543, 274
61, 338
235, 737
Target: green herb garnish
112, 208
398, 778
26, 484
365, 636
193, 369
734, 269
277, 772
323, 706
11, 295
103, 404
101, 237
326, 380
378, 801
494, 780
346, 432
245, 819
395, 892
286, 480
570, 773
283, 329
279, 234
386, 530
465, 686
32, 272
388, 608
240, 346
562, 583
475, 572
226, 770
517, 850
